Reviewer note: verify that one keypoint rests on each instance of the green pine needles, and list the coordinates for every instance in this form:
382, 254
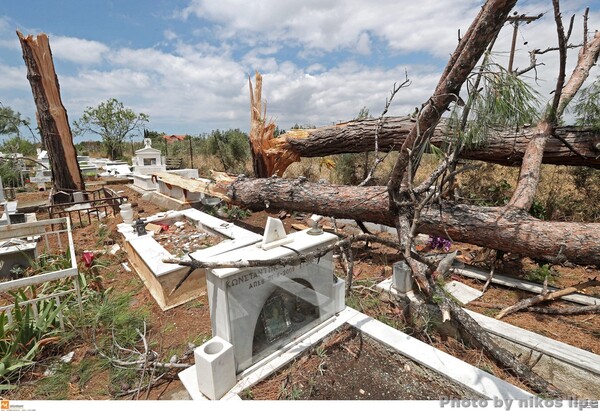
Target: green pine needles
498, 101
587, 108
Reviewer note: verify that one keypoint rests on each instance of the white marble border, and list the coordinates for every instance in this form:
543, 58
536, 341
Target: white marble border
457, 370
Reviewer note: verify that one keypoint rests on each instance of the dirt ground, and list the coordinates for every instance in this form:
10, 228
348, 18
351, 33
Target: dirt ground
343, 367
174, 329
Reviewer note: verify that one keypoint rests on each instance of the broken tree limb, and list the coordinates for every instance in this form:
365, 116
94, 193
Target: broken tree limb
471, 47
546, 297
591, 309
282, 261
51, 113
529, 174
500, 354
502, 147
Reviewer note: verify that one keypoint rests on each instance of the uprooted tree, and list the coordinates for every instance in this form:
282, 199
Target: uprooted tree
425, 208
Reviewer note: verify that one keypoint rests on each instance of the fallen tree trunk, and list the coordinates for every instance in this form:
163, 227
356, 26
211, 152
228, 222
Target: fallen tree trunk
505, 148
500, 228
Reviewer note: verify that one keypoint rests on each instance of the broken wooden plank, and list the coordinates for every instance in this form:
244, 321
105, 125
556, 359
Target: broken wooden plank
204, 186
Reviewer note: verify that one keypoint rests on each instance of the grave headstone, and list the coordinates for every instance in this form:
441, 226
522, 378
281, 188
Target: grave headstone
259, 310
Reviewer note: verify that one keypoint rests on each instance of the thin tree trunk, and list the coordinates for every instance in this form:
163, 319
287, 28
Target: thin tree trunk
51, 114
529, 175
482, 31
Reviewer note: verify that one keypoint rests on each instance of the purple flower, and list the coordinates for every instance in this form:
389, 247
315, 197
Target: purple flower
439, 243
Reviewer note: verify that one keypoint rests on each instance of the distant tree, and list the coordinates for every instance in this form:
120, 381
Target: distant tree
363, 114
18, 144
112, 122
10, 121
278, 131
231, 147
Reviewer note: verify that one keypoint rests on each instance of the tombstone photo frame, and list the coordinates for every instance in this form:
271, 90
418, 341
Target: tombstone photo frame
275, 318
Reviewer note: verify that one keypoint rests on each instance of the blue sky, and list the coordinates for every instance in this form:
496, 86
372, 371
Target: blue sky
186, 63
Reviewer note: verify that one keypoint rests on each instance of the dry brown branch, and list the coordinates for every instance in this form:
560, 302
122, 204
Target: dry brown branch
566, 310
588, 309
380, 121
529, 175
547, 297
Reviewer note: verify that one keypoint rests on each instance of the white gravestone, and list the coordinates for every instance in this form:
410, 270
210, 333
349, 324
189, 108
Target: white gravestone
259, 310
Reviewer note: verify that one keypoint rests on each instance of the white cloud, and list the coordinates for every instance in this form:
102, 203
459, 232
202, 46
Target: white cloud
170, 35
77, 50
13, 78
331, 25
363, 45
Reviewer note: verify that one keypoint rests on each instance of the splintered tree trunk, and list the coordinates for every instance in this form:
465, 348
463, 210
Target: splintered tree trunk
496, 227
265, 161
51, 114
504, 148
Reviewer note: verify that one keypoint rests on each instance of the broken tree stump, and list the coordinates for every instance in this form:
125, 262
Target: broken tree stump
51, 114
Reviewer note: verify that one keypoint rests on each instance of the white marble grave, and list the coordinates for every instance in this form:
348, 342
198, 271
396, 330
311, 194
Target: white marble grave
180, 193
148, 160
146, 255
259, 310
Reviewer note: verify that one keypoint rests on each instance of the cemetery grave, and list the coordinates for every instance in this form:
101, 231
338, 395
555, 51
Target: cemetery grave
341, 367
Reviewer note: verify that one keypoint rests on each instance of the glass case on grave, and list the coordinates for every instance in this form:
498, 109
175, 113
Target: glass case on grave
260, 310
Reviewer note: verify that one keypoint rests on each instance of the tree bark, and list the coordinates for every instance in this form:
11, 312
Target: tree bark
51, 114
500, 228
502, 147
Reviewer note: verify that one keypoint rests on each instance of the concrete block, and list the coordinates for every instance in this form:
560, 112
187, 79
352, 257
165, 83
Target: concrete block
402, 277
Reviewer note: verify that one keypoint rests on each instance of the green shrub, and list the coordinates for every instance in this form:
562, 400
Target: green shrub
22, 339
540, 274
232, 147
